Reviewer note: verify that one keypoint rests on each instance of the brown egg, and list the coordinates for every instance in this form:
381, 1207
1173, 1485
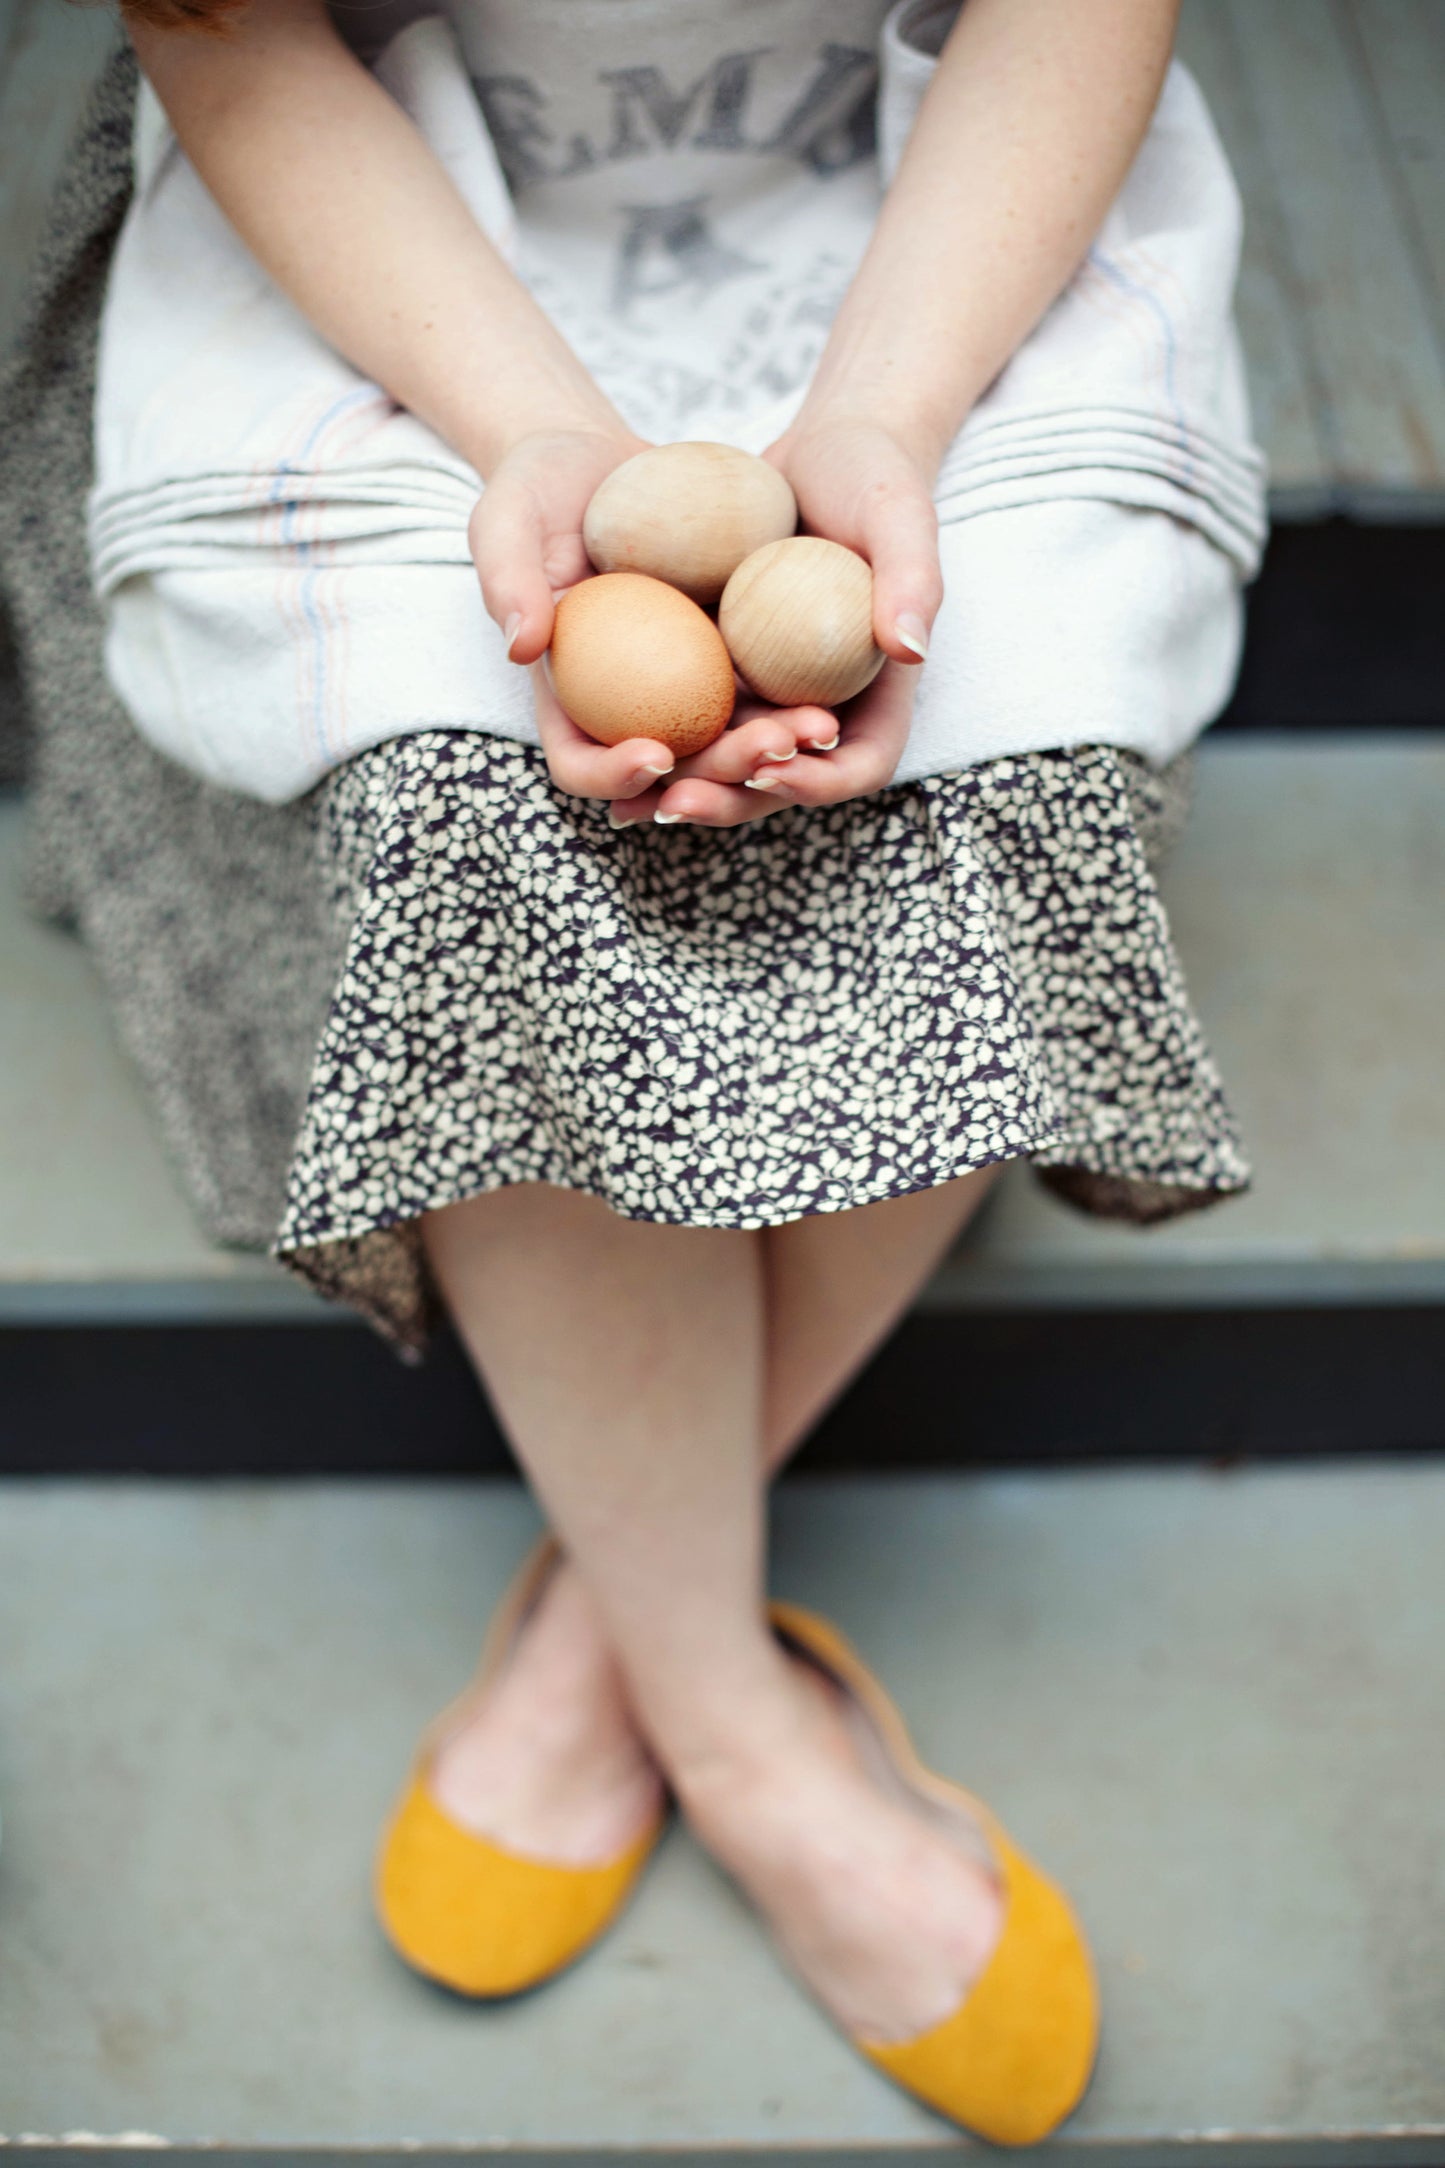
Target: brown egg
632, 658
688, 514
797, 617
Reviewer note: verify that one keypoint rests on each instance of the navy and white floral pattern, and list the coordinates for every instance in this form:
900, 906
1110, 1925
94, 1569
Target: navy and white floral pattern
734, 1028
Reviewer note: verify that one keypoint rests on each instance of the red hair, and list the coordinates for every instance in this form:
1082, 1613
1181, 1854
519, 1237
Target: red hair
213, 17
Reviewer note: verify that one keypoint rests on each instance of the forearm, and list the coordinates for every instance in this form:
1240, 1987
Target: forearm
341, 200
1022, 141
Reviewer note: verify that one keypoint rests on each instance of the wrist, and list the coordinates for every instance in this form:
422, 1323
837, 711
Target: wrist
922, 432
492, 437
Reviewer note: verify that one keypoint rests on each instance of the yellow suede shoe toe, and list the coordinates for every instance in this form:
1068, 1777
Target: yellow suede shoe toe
483, 1920
465, 1911
1017, 2054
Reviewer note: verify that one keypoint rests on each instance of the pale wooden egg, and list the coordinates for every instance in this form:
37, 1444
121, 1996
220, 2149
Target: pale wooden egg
688, 514
797, 617
633, 658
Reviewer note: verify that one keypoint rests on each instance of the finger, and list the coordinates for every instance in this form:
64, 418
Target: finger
873, 733
636, 811
812, 729
508, 538
899, 534
585, 770
766, 738
714, 805
853, 771
582, 767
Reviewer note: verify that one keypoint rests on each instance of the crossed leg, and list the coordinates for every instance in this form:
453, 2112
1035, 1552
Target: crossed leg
650, 1378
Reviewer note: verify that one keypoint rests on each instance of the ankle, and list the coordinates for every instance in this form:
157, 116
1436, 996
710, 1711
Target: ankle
738, 1746
566, 1641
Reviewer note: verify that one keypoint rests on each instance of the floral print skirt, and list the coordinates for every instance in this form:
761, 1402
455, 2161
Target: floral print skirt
738, 1027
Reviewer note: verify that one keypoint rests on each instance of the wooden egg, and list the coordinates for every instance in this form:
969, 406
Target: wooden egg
632, 658
688, 514
797, 617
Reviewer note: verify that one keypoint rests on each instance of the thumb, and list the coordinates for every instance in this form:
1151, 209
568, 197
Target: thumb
507, 539
900, 540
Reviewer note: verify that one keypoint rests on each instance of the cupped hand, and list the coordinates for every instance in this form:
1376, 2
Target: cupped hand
860, 484
526, 543
757, 736
867, 487
855, 483
526, 530
743, 777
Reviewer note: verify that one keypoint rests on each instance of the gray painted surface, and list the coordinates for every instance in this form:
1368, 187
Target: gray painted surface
1306, 896
1211, 1702
1287, 393
51, 53
1306, 96
1330, 111
88, 1199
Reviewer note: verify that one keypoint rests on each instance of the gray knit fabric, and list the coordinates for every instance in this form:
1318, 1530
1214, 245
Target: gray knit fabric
202, 910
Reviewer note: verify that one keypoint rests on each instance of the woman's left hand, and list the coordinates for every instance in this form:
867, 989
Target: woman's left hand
858, 484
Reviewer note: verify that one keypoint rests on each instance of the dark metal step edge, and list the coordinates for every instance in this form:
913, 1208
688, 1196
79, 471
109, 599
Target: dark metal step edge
1402, 2148
949, 1390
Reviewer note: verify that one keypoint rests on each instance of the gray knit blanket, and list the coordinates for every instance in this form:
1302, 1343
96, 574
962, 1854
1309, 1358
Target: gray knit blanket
203, 911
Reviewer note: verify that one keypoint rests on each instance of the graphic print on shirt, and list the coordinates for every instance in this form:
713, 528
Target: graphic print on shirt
682, 301
668, 246
830, 126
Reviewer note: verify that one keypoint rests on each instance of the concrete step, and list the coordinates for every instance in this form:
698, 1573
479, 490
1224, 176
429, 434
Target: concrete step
1306, 896
1211, 1702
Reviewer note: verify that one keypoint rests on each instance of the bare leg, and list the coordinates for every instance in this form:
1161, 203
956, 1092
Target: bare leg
629, 1364
625, 1361
837, 1284
554, 1763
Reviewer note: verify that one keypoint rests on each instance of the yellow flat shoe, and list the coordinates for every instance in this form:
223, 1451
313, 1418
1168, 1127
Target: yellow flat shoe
1016, 2056
480, 1919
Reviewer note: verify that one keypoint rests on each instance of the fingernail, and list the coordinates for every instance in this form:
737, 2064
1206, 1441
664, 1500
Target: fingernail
912, 631
762, 782
645, 770
827, 745
510, 630
668, 820
780, 757
620, 820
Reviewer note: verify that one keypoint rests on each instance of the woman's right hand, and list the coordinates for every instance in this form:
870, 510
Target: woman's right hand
526, 531
526, 542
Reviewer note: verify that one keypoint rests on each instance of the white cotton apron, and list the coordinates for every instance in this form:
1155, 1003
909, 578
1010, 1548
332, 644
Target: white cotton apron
687, 189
